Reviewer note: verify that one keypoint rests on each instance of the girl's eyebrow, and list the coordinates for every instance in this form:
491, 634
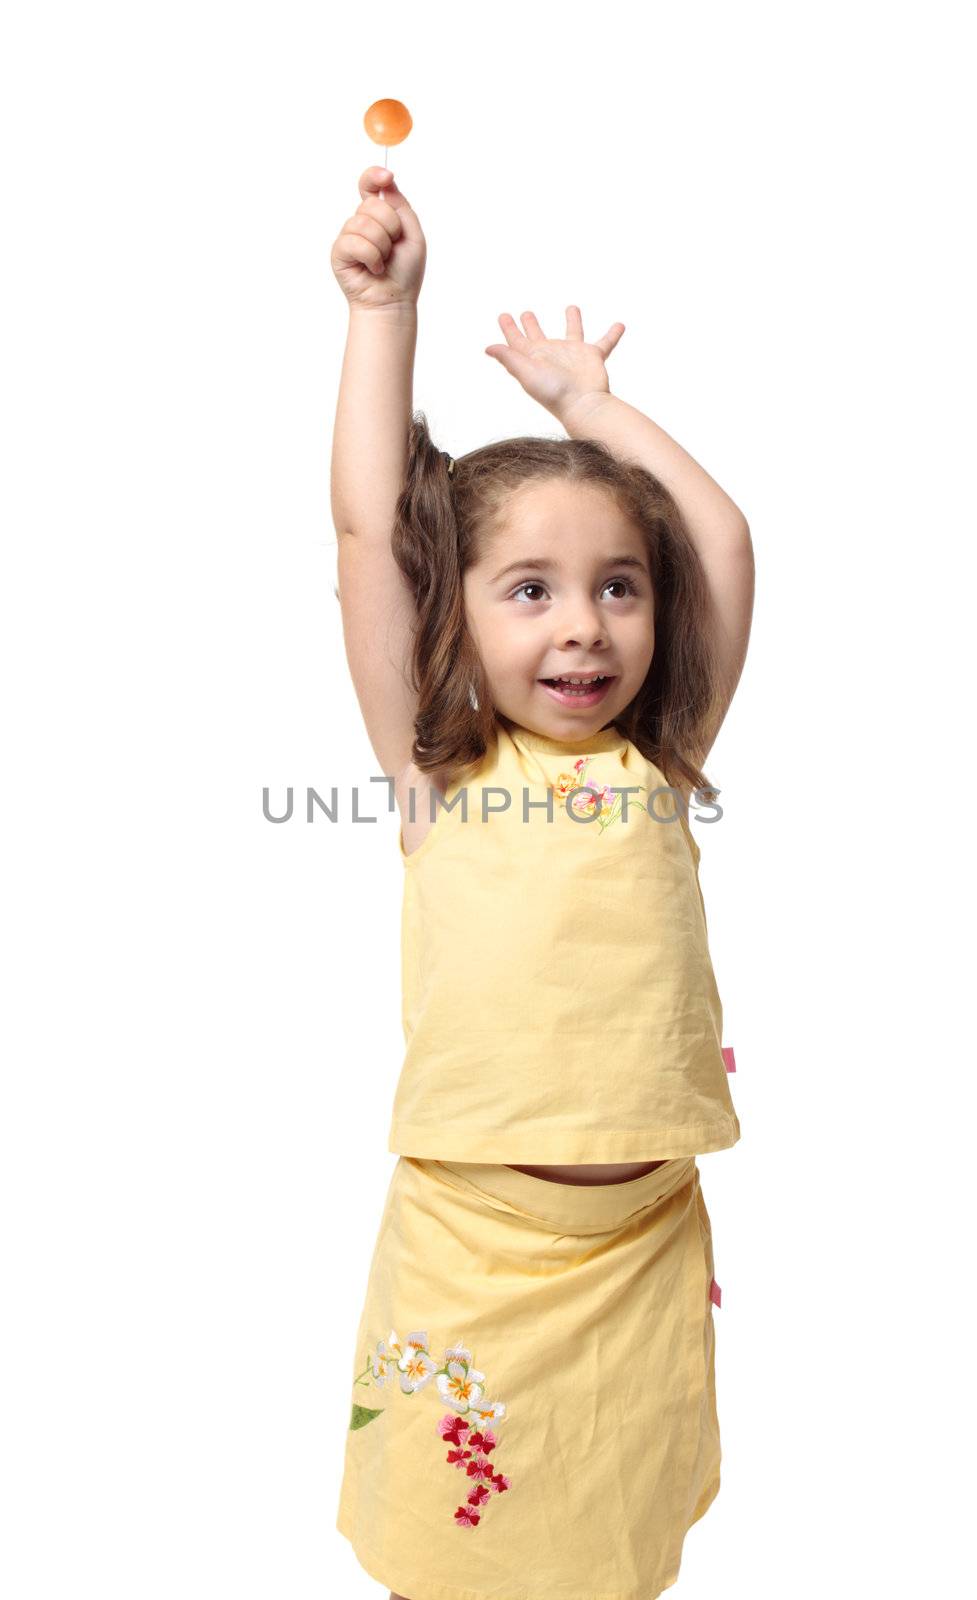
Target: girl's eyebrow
536, 564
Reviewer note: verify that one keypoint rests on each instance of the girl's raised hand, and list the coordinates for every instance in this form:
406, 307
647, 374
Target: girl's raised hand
380, 253
556, 372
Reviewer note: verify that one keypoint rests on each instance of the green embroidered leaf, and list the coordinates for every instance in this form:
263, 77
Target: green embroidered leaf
362, 1415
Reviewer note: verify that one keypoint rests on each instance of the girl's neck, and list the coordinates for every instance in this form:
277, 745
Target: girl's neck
608, 738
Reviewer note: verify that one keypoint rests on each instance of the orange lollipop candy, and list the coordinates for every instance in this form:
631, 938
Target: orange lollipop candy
388, 122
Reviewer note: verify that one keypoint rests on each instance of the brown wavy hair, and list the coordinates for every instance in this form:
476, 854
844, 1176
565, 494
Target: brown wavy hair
442, 521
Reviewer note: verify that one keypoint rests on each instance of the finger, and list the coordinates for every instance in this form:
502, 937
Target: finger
386, 215
514, 361
533, 330
374, 179
514, 334
574, 323
351, 249
610, 339
371, 183
367, 227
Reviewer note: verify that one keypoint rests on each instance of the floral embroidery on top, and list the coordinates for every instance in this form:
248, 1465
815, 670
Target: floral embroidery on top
466, 1429
591, 800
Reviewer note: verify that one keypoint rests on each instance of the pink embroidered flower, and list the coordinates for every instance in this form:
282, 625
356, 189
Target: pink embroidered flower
467, 1517
585, 802
454, 1429
478, 1495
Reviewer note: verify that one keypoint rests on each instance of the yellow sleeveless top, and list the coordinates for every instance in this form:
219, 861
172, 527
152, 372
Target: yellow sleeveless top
559, 1002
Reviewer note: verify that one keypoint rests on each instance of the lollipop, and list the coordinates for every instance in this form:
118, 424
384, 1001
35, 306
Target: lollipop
388, 122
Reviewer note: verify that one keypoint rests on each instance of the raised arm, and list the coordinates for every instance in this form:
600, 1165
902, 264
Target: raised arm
717, 527
569, 378
369, 456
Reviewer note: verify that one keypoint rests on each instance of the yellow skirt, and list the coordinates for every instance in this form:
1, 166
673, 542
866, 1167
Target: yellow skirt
533, 1393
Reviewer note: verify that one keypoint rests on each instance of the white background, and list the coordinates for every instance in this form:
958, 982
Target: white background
202, 1023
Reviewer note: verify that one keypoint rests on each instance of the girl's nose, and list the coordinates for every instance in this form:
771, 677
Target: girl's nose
584, 628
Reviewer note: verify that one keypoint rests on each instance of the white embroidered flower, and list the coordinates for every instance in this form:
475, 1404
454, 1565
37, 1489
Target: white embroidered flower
461, 1385
457, 1352
381, 1361
490, 1411
417, 1365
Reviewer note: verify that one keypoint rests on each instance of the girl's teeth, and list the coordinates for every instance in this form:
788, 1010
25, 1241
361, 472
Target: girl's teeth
578, 685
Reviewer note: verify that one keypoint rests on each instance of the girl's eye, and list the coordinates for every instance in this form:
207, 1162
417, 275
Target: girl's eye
629, 586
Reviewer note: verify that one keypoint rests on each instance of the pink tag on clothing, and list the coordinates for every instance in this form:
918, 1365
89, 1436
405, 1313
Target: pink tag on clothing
729, 1058
715, 1293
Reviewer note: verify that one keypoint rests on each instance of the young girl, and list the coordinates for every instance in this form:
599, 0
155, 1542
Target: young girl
544, 637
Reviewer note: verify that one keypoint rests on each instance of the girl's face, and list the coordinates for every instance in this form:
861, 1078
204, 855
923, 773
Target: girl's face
562, 590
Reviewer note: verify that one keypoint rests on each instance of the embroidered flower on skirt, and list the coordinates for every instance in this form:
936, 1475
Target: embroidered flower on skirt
467, 1428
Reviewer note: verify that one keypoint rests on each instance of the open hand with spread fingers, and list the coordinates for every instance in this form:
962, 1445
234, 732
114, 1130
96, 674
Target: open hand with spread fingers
556, 372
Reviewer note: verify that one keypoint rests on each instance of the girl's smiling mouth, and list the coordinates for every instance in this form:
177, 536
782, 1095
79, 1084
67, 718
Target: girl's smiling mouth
578, 689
